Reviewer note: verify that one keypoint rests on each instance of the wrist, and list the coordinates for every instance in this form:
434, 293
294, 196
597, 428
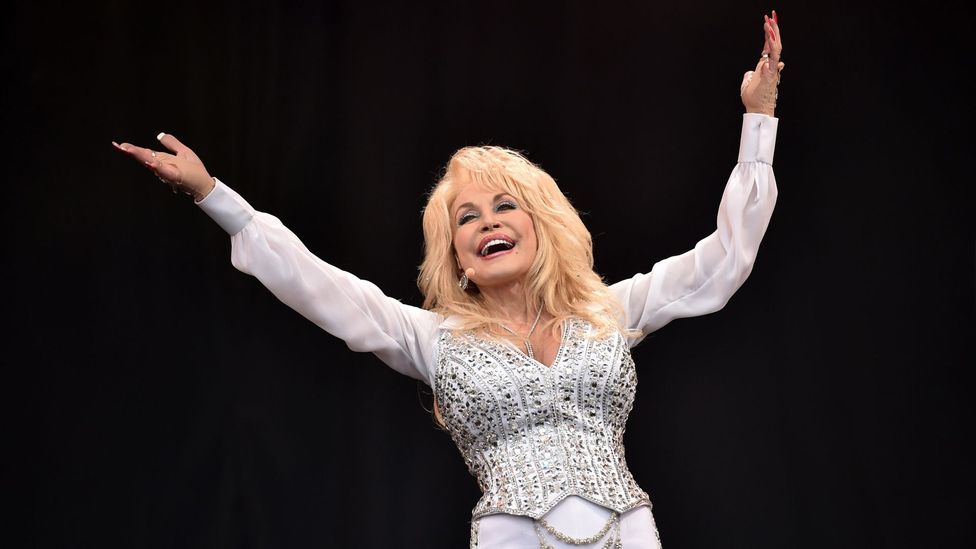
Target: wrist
764, 99
200, 194
758, 110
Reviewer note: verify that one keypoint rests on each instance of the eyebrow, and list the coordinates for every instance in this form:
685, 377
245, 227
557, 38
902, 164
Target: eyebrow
470, 205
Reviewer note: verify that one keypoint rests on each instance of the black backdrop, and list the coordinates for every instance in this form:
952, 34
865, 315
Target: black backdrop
155, 397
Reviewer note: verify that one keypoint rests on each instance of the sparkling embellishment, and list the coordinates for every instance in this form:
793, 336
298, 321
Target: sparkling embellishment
533, 435
475, 527
613, 542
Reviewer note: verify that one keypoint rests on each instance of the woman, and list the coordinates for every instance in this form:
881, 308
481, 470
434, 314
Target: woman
526, 349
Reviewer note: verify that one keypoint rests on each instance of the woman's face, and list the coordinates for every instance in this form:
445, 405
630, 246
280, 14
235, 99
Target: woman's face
493, 235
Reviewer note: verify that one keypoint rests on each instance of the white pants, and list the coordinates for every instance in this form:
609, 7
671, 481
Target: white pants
575, 517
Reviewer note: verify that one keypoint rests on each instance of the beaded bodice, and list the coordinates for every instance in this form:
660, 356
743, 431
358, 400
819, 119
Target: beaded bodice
532, 434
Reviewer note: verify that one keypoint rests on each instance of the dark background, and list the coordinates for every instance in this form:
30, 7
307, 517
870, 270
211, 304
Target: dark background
155, 397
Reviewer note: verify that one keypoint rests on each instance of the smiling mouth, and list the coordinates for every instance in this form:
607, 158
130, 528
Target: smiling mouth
496, 246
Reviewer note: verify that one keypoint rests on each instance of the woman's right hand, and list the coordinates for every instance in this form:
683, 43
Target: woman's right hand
758, 89
181, 170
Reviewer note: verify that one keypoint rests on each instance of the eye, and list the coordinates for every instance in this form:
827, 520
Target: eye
468, 216
505, 205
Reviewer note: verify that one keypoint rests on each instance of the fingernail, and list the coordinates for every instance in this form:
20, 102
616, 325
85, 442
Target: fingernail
775, 19
160, 136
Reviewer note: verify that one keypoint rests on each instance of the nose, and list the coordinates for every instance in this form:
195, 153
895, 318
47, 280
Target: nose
488, 224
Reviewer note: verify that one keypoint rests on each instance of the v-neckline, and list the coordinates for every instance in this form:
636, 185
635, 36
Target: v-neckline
559, 350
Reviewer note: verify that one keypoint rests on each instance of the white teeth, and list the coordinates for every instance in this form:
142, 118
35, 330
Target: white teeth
490, 243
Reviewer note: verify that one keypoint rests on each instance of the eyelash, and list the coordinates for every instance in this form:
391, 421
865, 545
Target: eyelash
468, 216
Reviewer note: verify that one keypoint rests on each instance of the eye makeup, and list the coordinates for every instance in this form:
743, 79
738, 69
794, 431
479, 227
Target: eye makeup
468, 216
502, 205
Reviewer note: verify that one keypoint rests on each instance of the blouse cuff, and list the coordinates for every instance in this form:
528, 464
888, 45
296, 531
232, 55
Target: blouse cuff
758, 138
227, 208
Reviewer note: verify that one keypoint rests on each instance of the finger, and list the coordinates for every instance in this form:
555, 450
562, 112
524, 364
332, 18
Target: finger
146, 156
139, 153
771, 28
126, 149
777, 36
172, 143
160, 156
761, 64
765, 66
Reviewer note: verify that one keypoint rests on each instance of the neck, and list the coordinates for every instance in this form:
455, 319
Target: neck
510, 304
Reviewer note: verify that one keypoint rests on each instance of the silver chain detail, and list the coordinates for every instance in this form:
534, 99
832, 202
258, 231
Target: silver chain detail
528, 344
612, 526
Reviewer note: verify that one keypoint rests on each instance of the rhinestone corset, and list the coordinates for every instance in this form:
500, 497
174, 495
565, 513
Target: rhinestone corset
533, 435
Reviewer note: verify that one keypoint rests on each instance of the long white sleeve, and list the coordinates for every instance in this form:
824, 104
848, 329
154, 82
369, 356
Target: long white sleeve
351, 309
702, 280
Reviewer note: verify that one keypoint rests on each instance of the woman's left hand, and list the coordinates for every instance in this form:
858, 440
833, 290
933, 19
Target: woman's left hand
759, 94
182, 169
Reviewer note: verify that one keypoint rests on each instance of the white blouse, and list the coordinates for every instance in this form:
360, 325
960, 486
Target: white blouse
404, 337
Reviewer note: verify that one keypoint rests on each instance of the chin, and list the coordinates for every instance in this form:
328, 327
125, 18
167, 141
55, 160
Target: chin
490, 280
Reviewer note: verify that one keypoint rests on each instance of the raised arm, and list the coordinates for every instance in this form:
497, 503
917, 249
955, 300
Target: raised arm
351, 309
702, 280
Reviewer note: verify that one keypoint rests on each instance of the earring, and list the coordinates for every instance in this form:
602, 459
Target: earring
463, 282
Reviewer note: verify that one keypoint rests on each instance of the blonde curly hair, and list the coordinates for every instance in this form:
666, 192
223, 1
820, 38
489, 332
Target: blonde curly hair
561, 277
